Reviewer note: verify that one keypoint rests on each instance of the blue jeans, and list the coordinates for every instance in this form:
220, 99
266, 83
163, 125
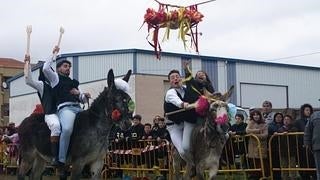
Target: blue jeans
66, 116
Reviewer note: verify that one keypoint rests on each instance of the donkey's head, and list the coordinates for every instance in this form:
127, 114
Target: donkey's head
120, 106
218, 110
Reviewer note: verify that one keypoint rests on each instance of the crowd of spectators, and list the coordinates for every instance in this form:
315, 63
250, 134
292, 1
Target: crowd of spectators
287, 151
139, 131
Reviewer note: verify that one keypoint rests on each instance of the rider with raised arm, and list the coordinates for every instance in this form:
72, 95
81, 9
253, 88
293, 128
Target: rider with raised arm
48, 102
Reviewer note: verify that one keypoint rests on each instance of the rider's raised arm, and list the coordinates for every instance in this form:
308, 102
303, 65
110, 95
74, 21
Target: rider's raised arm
37, 85
49, 72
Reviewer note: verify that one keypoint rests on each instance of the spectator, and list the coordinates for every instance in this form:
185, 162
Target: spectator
239, 128
136, 131
155, 122
276, 124
116, 134
148, 133
162, 132
288, 154
267, 112
306, 111
238, 142
258, 127
273, 128
312, 138
305, 155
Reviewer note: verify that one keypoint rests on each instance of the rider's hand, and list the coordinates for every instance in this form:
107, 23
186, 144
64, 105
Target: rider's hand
185, 105
74, 91
88, 95
56, 50
27, 58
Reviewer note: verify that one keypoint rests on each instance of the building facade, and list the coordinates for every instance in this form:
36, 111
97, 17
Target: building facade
8, 68
286, 86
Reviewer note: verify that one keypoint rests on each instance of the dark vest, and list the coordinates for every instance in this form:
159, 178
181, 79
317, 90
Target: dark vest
189, 115
63, 88
48, 99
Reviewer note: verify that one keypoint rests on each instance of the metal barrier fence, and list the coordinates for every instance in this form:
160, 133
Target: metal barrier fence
138, 159
289, 159
243, 157
9, 156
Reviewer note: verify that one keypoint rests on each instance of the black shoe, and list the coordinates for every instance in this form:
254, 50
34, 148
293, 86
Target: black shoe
55, 162
59, 165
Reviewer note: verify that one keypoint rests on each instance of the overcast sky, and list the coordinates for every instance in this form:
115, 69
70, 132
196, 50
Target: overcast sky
262, 30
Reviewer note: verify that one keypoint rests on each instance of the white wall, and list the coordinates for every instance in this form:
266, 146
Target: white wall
22, 106
303, 84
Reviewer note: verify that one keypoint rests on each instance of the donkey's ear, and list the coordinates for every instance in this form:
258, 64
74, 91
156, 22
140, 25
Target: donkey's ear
110, 78
127, 76
228, 94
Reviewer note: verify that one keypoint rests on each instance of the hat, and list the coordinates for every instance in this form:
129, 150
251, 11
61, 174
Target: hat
122, 85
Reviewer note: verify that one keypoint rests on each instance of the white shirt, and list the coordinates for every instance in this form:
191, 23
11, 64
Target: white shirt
172, 96
36, 84
53, 77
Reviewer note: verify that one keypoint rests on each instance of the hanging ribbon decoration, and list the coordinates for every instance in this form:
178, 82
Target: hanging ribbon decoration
185, 19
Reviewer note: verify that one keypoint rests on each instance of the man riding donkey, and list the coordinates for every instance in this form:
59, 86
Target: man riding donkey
68, 101
183, 107
181, 124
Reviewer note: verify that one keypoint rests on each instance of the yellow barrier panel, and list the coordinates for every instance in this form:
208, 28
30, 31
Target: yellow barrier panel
289, 159
238, 161
138, 159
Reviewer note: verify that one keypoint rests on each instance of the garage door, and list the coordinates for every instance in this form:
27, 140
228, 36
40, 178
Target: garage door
252, 95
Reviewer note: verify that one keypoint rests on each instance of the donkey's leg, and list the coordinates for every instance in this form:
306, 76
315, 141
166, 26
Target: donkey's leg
177, 163
25, 165
37, 168
96, 168
200, 169
213, 170
188, 173
77, 167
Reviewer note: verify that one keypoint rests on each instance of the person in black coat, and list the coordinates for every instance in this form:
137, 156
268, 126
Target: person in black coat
312, 138
306, 110
136, 131
239, 128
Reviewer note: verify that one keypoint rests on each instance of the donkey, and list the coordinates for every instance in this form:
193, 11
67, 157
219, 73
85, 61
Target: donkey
89, 141
208, 140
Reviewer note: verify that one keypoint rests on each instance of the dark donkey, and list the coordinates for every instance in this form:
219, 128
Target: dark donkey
207, 140
89, 141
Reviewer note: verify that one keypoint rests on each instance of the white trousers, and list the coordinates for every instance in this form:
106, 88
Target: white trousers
53, 123
181, 138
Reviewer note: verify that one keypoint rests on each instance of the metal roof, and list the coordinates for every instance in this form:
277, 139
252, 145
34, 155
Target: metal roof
180, 55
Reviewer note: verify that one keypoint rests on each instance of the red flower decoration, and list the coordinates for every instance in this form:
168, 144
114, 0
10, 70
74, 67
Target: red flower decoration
115, 115
38, 109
